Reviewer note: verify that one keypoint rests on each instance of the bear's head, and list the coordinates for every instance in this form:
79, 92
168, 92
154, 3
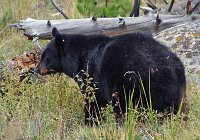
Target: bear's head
51, 58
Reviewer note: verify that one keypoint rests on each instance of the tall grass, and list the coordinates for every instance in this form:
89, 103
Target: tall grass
54, 109
15, 10
37, 110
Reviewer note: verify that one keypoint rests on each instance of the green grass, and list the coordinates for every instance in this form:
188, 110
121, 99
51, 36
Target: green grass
54, 109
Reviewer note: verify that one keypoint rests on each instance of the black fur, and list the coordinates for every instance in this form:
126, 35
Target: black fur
123, 65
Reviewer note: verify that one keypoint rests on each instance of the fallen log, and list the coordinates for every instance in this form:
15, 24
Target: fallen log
148, 24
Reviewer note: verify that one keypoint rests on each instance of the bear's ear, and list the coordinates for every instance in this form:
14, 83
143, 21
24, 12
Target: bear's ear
55, 32
57, 35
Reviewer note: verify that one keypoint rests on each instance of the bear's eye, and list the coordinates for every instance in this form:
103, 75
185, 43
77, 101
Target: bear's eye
46, 60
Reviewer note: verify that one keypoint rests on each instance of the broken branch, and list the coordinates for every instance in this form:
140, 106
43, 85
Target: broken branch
170, 6
59, 9
136, 8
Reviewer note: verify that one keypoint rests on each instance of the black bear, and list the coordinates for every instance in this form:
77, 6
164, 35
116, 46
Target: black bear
130, 65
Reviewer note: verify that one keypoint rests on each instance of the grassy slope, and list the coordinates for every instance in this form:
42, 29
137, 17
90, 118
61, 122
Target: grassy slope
53, 110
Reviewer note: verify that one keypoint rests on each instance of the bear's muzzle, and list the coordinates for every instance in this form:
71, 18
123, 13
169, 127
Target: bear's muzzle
41, 69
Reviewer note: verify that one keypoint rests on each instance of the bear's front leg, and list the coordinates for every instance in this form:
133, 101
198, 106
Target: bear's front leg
118, 109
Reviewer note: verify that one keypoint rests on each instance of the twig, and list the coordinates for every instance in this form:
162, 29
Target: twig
195, 6
151, 6
170, 6
136, 8
59, 9
3, 29
165, 2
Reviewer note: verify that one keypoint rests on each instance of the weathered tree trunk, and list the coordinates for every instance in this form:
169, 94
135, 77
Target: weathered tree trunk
147, 24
